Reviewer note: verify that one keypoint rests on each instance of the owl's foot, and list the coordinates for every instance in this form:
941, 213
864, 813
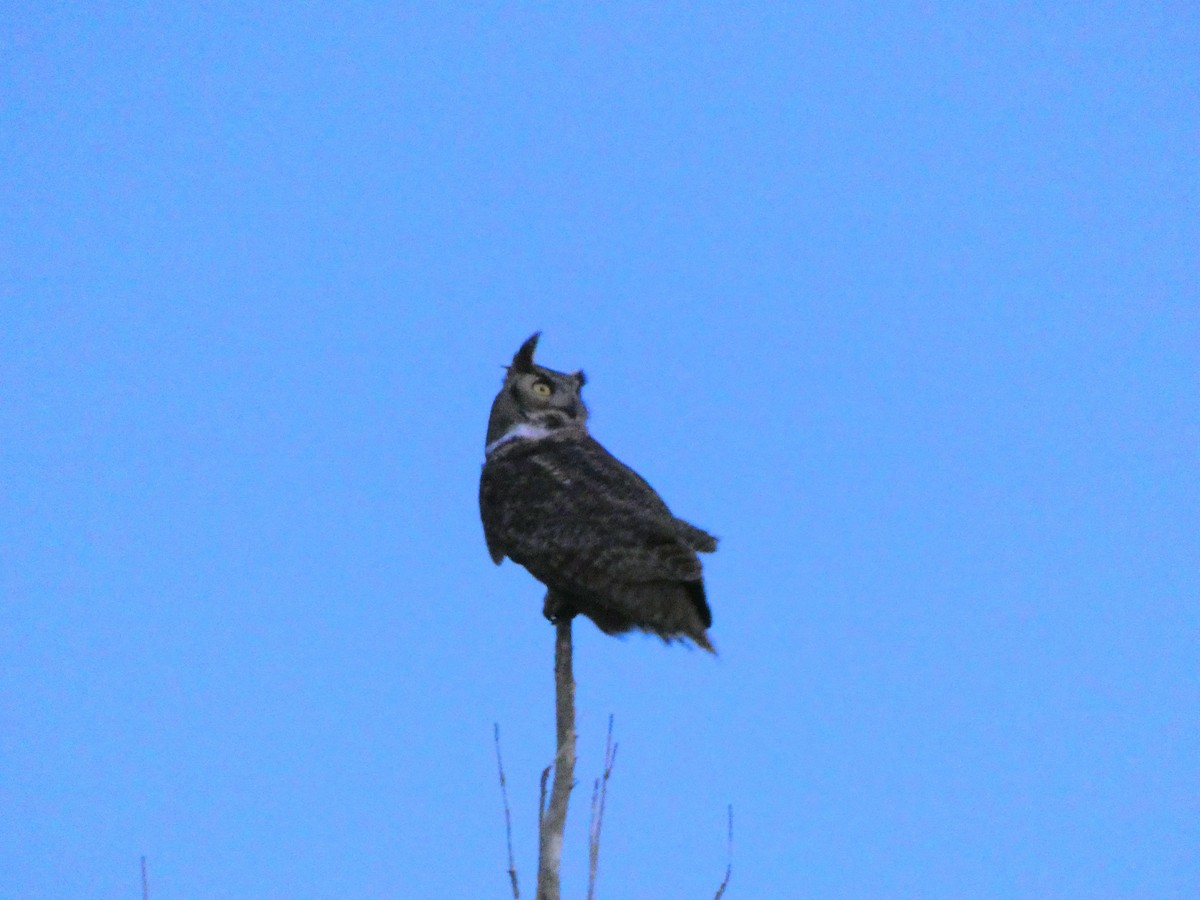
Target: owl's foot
557, 608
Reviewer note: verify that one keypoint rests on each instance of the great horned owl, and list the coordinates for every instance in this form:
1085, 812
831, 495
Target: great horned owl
582, 522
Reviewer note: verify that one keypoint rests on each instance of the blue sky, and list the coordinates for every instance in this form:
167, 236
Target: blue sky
901, 303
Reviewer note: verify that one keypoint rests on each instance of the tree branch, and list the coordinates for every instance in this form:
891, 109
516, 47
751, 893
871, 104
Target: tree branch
553, 824
599, 796
542, 802
512, 868
729, 863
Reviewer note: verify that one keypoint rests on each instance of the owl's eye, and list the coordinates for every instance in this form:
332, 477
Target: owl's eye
542, 388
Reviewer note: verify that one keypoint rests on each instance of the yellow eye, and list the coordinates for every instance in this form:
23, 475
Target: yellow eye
542, 388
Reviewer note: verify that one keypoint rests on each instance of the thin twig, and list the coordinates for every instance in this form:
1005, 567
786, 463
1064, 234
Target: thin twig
512, 868
599, 796
555, 821
145, 881
729, 864
592, 855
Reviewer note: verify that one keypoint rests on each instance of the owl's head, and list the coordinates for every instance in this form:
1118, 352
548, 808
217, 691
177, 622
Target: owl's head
534, 401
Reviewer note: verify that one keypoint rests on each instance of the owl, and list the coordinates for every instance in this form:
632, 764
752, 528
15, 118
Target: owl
580, 521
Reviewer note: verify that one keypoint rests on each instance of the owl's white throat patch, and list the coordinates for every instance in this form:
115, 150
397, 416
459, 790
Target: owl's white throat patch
522, 430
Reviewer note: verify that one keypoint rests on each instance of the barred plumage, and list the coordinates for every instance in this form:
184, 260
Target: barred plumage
583, 523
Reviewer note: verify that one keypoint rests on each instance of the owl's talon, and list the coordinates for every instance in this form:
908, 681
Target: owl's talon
556, 610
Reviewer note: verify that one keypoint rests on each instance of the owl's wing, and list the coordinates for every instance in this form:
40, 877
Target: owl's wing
495, 548
580, 520
696, 538
490, 504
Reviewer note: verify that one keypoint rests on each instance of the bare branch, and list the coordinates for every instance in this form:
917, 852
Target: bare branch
593, 853
729, 863
554, 822
599, 796
512, 868
145, 881
542, 799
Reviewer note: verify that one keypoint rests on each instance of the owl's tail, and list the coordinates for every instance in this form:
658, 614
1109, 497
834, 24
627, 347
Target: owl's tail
673, 610
703, 642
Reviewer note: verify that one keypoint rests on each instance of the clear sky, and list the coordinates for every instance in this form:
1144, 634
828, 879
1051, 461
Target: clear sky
899, 300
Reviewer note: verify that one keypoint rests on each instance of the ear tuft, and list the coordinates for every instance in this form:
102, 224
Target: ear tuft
580, 378
523, 361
